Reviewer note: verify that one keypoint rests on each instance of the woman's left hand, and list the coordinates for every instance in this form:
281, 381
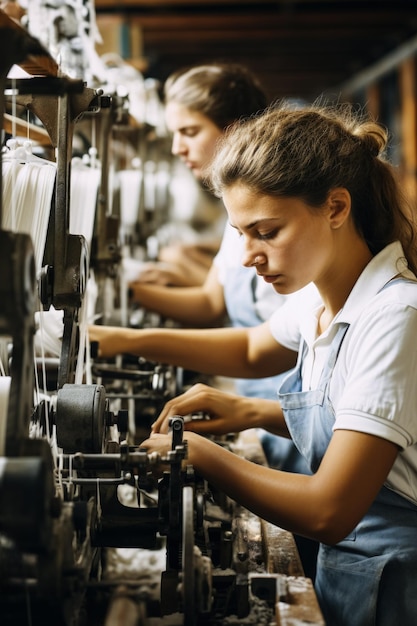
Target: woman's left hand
224, 412
158, 444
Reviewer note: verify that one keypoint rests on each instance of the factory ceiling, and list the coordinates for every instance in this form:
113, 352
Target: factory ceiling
298, 48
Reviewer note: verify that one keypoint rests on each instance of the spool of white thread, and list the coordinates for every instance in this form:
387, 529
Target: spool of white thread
130, 182
85, 183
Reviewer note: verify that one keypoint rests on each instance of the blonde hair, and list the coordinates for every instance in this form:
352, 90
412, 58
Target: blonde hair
224, 92
305, 152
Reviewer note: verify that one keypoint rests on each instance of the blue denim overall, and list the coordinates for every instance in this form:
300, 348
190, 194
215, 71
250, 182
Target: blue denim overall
369, 578
239, 295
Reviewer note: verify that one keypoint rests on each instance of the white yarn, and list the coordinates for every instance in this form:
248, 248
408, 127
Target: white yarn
49, 330
28, 186
85, 183
130, 185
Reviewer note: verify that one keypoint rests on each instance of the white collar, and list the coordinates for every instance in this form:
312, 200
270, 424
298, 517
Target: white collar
382, 268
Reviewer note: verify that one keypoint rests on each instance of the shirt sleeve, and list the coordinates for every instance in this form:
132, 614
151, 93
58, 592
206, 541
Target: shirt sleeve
287, 322
267, 300
379, 372
285, 326
229, 254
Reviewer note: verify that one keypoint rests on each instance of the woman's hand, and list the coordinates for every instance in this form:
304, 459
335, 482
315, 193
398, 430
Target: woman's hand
158, 443
158, 273
111, 340
157, 447
222, 412
202, 453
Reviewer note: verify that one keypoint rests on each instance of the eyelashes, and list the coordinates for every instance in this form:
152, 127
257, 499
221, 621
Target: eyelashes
263, 236
270, 235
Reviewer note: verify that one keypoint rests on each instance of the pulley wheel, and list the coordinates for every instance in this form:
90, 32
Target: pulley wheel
80, 418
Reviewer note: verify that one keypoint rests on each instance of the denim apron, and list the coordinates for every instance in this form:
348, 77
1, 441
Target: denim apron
370, 577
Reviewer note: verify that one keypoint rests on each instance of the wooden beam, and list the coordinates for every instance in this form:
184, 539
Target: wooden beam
407, 76
26, 129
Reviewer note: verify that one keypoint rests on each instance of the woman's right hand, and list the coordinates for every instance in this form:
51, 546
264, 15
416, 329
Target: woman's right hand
222, 412
111, 340
158, 273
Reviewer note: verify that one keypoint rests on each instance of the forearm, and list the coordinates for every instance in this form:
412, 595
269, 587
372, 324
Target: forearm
187, 305
199, 350
286, 500
326, 505
218, 352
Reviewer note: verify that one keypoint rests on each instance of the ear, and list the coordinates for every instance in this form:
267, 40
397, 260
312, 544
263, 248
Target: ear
339, 205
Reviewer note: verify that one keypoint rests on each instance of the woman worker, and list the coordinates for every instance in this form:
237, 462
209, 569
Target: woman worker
314, 200
201, 102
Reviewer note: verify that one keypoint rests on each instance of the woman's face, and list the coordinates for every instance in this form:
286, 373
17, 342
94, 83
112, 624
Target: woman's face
289, 242
194, 136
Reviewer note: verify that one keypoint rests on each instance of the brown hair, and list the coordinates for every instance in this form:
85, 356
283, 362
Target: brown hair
305, 152
224, 92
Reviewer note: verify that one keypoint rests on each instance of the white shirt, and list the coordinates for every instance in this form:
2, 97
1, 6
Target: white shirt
374, 383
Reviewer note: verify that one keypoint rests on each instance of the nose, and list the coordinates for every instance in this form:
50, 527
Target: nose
252, 258
178, 145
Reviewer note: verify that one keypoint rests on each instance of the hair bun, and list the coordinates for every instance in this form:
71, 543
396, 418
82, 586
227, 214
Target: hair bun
373, 136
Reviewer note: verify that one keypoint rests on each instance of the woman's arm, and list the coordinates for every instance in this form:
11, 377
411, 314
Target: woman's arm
325, 506
235, 352
197, 306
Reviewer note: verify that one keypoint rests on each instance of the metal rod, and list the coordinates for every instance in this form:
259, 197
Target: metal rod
382, 67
